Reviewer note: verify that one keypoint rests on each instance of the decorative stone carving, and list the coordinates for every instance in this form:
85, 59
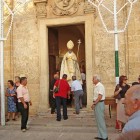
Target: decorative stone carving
65, 7
88, 8
41, 9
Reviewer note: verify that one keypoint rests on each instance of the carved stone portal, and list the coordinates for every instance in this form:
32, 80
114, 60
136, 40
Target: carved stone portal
65, 7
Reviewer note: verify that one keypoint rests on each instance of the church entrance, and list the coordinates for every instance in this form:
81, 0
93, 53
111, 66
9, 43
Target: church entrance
63, 29
58, 36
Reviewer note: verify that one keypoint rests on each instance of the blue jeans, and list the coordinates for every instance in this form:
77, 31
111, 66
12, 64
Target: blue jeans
60, 100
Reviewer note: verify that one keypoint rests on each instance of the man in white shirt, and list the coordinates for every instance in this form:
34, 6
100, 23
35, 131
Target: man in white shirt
77, 90
99, 108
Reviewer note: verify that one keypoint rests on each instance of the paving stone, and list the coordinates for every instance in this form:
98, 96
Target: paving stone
77, 127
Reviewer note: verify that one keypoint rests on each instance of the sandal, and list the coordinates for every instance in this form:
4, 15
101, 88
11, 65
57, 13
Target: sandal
14, 119
7, 120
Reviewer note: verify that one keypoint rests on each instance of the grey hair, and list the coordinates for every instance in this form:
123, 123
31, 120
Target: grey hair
97, 77
136, 93
73, 77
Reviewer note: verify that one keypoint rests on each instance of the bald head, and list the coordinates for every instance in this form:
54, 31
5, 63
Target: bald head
132, 100
134, 92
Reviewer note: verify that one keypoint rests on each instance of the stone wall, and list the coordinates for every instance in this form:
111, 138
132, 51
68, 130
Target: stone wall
8, 50
26, 50
129, 58
23, 57
133, 37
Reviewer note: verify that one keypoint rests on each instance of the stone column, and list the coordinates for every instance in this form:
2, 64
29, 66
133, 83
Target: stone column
44, 70
89, 59
41, 13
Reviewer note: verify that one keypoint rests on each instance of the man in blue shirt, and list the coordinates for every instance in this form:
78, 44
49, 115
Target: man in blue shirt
132, 109
77, 90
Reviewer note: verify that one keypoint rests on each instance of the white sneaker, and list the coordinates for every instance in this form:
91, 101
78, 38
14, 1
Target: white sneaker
23, 130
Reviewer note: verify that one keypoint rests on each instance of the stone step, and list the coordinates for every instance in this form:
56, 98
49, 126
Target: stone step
83, 113
80, 120
86, 118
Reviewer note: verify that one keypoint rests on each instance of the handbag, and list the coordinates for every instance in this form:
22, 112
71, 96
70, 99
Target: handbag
118, 96
15, 99
56, 90
15, 96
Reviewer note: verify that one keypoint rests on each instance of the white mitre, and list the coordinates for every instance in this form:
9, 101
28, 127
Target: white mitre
70, 45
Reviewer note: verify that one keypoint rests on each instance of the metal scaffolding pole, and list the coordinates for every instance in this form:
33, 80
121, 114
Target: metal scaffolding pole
100, 4
2, 65
116, 40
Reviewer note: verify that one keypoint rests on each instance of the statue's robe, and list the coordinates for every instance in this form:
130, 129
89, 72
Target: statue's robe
70, 67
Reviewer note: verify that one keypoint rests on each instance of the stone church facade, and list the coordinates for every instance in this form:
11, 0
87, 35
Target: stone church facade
27, 50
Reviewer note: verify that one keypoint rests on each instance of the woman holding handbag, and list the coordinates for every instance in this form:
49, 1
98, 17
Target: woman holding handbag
119, 94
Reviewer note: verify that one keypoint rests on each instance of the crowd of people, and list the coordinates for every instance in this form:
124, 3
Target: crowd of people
128, 102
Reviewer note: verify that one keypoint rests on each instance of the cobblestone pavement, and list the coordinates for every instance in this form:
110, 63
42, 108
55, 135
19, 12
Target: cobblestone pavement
77, 127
